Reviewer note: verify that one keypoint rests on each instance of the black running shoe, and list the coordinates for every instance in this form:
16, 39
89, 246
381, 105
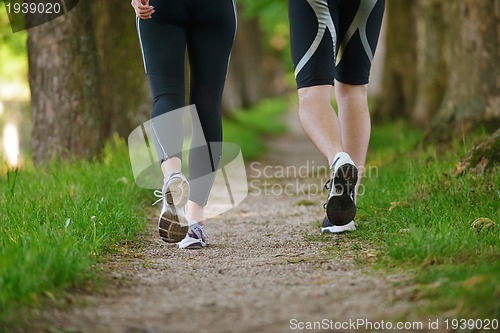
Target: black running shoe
340, 207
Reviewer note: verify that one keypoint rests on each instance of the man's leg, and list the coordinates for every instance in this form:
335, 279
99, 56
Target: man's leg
354, 119
319, 120
323, 127
313, 35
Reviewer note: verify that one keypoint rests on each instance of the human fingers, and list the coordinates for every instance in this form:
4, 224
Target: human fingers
135, 3
143, 11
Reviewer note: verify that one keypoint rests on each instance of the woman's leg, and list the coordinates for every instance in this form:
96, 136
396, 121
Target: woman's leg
163, 43
210, 39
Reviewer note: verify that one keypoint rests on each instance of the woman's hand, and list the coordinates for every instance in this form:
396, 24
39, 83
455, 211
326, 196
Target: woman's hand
142, 9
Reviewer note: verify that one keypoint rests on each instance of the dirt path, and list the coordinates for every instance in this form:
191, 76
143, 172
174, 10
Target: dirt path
259, 272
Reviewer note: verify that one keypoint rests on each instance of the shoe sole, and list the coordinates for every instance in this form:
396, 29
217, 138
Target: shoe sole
173, 226
341, 209
194, 246
179, 192
335, 229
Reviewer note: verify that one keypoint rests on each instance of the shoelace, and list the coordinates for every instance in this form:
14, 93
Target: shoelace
158, 194
327, 188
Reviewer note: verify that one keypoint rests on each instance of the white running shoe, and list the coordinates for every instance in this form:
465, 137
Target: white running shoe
340, 207
172, 223
195, 237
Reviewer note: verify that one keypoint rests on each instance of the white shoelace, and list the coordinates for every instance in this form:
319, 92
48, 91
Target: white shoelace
158, 194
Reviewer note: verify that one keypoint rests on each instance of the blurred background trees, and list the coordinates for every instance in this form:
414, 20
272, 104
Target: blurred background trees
66, 100
440, 69
441, 64
123, 85
259, 56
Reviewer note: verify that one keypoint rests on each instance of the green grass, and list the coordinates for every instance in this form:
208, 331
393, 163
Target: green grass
248, 128
415, 213
428, 229
60, 220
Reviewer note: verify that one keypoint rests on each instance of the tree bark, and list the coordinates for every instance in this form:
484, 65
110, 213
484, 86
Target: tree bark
124, 86
472, 53
245, 69
432, 69
67, 115
254, 73
399, 86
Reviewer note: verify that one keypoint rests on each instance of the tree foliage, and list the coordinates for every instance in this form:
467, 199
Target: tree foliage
273, 20
15, 42
12, 47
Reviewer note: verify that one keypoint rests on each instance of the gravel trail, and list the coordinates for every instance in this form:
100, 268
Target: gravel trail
264, 271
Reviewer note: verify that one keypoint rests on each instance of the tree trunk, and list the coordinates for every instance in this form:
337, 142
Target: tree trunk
245, 70
472, 54
67, 115
399, 86
124, 86
253, 73
432, 69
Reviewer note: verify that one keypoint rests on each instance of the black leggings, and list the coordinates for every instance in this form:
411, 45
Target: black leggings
207, 28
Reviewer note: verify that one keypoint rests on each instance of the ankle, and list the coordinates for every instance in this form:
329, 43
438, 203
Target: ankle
194, 212
171, 165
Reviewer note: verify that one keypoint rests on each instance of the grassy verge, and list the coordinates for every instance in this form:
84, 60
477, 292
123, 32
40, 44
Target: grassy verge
59, 221
416, 214
248, 127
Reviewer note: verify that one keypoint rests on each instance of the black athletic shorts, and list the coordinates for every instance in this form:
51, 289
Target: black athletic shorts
334, 39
